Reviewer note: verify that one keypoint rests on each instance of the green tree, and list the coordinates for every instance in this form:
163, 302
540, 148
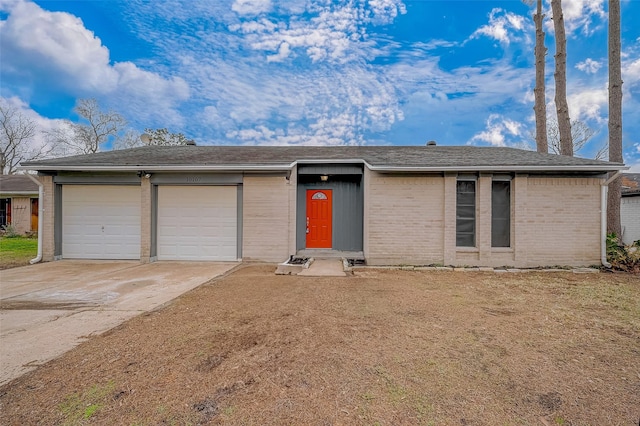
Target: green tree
162, 137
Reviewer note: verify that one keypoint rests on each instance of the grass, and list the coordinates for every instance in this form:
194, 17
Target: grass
17, 251
82, 406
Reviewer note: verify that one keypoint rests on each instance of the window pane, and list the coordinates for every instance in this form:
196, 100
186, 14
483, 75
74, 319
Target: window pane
466, 198
501, 214
466, 214
465, 226
466, 186
463, 240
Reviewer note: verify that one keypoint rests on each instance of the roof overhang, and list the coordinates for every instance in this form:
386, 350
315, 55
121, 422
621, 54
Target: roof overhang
290, 166
3, 194
591, 168
505, 169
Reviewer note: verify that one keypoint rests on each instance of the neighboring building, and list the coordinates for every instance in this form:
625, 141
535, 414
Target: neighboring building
393, 205
19, 203
630, 207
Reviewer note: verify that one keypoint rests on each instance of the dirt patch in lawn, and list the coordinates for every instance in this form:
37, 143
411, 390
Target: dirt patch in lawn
378, 347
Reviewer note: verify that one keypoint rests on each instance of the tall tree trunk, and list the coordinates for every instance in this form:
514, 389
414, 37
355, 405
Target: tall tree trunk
562, 108
540, 106
615, 115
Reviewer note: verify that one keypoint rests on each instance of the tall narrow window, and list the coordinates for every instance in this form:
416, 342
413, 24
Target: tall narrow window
501, 214
466, 213
5, 211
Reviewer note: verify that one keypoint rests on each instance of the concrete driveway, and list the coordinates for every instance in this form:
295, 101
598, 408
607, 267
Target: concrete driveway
49, 308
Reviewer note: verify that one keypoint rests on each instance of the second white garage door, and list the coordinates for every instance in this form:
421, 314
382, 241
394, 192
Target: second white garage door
197, 223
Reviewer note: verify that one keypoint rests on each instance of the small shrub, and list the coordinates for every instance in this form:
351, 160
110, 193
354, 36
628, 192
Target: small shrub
623, 257
10, 231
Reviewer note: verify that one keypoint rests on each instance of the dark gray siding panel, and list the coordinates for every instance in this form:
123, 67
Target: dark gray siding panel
97, 179
239, 223
347, 215
154, 222
329, 169
57, 222
196, 178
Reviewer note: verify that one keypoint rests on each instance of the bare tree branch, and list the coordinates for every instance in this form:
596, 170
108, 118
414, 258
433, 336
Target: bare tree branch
16, 140
100, 127
580, 135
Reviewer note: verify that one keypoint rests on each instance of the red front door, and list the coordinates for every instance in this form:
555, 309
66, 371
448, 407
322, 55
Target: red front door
318, 218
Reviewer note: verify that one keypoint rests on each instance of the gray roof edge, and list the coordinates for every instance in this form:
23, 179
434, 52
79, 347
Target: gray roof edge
149, 167
506, 168
18, 192
382, 168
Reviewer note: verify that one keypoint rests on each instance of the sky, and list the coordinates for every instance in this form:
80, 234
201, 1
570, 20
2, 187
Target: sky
315, 72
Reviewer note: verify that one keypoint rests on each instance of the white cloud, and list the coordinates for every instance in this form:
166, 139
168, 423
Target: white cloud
499, 131
56, 49
589, 66
633, 160
251, 7
326, 32
245, 97
588, 103
385, 11
504, 27
579, 15
631, 72
55, 42
334, 130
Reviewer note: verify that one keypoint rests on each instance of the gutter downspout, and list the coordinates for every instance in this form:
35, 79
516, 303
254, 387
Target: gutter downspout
604, 189
38, 257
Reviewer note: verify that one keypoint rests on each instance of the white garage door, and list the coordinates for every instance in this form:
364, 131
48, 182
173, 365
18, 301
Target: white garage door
100, 222
197, 223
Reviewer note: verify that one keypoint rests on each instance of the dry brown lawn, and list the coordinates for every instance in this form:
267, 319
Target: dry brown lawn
376, 348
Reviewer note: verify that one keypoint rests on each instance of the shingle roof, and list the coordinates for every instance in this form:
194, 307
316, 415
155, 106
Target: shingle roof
283, 157
17, 184
630, 184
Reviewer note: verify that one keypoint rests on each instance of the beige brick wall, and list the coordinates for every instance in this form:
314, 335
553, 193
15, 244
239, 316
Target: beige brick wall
48, 243
483, 219
411, 220
267, 218
405, 221
145, 220
449, 242
519, 229
21, 214
562, 222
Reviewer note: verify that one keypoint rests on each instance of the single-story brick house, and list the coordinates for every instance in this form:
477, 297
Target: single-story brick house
630, 207
419, 205
19, 203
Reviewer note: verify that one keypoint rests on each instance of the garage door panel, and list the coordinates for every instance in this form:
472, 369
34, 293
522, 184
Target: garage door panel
197, 223
101, 222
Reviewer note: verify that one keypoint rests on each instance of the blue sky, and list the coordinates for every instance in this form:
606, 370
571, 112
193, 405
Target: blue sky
315, 72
